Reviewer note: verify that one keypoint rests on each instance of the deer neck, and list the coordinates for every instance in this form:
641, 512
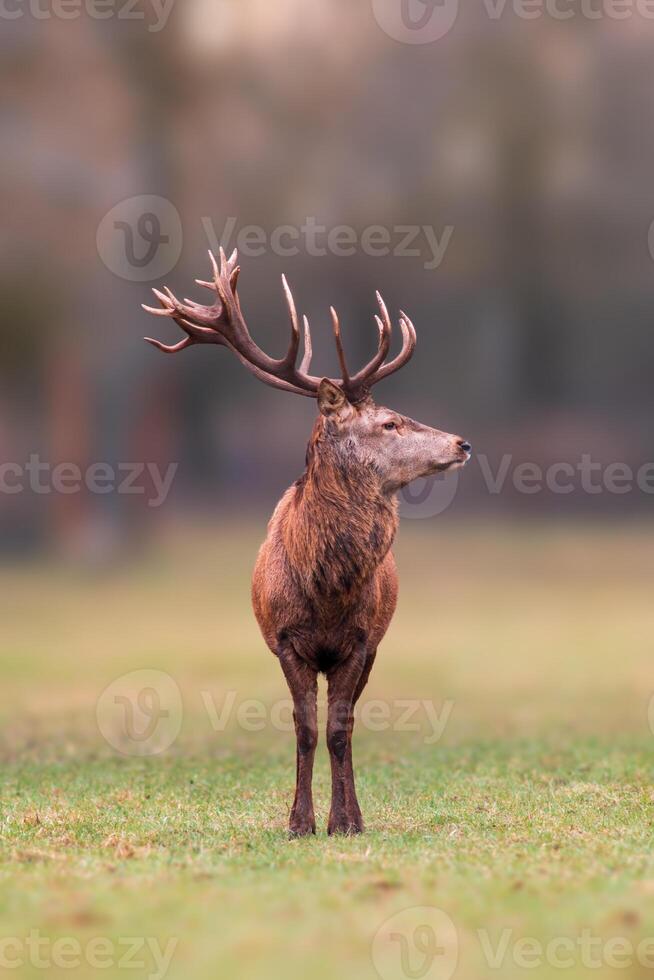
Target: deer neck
342, 525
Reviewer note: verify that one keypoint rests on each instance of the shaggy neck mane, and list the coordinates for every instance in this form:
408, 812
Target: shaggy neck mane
340, 525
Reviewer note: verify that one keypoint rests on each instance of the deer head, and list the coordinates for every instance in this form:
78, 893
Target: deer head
397, 448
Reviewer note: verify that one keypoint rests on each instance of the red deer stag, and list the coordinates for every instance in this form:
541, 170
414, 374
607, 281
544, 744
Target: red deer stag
325, 584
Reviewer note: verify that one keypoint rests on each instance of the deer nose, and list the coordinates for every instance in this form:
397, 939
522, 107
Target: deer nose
465, 446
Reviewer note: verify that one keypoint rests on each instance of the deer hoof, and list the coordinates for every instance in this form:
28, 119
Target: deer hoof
346, 827
301, 828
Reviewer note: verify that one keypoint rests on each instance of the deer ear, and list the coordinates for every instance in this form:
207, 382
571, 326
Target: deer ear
332, 401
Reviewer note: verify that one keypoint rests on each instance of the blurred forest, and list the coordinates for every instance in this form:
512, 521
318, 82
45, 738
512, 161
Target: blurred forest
528, 137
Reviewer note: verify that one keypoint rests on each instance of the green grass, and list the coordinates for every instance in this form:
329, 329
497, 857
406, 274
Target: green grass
532, 815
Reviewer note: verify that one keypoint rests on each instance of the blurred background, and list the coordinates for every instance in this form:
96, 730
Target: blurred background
138, 137
489, 168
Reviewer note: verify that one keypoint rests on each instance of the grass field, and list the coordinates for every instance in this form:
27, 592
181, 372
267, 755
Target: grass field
508, 792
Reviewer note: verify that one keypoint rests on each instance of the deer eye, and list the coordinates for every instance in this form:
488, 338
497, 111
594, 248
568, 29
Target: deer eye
389, 426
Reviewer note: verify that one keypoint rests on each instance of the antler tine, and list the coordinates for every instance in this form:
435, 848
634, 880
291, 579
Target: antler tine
375, 370
410, 327
384, 310
167, 300
339, 348
230, 268
305, 363
294, 346
157, 310
223, 323
196, 333
385, 329
222, 283
214, 266
169, 348
202, 328
229, 271
409, 340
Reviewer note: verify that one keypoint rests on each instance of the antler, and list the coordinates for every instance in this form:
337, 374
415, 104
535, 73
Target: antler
223, 324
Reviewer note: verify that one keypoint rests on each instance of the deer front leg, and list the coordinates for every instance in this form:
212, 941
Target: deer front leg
363, 680
343, 689
303, 685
